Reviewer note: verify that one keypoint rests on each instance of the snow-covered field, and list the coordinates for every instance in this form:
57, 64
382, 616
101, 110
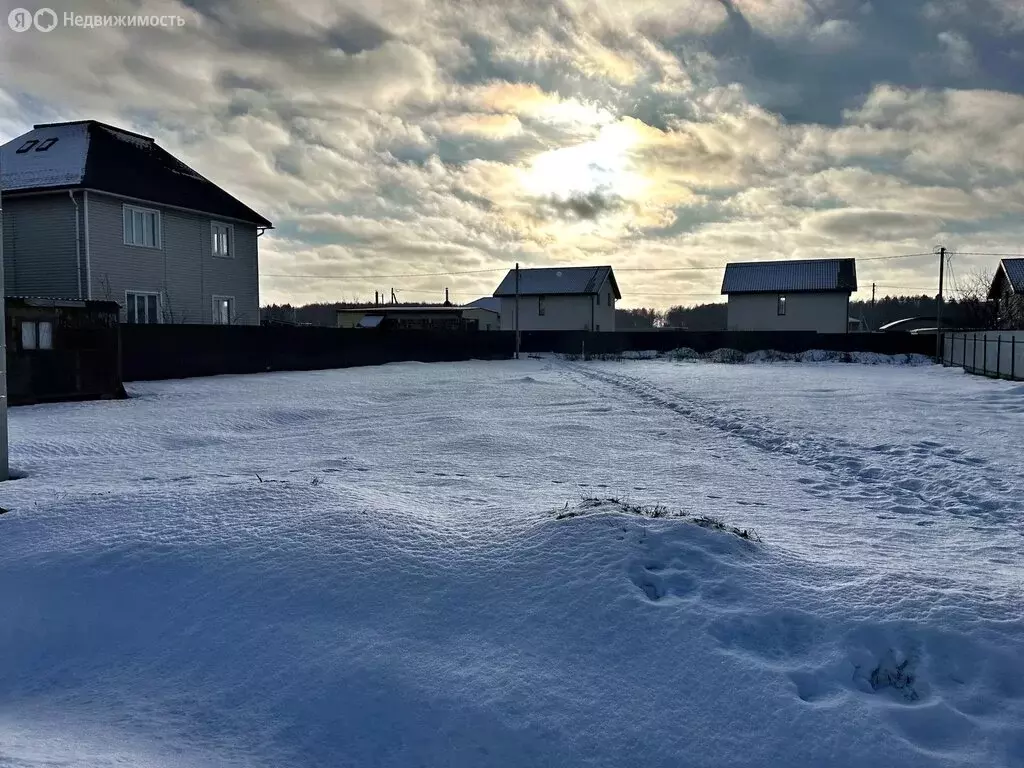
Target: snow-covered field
364, 568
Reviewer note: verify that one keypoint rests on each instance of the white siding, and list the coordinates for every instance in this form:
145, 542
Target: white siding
561, 313
183, 270
821, 312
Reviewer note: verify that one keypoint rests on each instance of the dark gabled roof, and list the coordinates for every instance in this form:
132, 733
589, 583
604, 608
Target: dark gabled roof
554, 281
1012, 271
810, 275
91, 155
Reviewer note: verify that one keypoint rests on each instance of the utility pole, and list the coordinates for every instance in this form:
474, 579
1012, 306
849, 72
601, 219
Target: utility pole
517, 310
4, 466
872, 295
938, 306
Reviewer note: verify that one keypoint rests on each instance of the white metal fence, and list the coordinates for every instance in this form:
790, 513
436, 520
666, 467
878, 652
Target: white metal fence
999, 354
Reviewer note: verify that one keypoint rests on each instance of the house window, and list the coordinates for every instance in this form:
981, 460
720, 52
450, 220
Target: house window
142, 308
223, 310
28, 335
141, 227
44, 334
540, 305
782, 305
221, 236
609, 299
599, 299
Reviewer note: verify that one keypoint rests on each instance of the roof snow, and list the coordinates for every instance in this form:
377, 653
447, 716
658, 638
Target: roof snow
48, 156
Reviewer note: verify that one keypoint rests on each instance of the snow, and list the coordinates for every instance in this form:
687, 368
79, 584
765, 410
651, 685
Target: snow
61, 165
394, 589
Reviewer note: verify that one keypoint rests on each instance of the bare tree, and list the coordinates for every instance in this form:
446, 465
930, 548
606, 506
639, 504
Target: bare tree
973, 306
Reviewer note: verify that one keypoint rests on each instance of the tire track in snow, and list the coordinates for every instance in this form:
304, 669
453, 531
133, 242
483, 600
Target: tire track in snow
922, 478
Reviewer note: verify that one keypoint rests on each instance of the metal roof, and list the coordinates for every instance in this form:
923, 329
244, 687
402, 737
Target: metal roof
486, 302
554, 281
1014, 269
810, 275
87, 154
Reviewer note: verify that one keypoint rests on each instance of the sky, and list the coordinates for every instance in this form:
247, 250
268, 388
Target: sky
389, 138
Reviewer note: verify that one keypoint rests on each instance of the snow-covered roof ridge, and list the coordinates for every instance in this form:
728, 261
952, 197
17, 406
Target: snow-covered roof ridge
88, 154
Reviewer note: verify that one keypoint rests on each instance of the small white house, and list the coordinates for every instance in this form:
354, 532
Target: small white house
809, 295
559, 299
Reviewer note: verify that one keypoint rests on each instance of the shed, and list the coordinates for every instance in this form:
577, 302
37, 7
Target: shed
62, 349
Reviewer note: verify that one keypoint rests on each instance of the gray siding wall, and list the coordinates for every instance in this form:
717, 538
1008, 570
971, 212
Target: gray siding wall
561, 313
183, 270
39, 246
821, 312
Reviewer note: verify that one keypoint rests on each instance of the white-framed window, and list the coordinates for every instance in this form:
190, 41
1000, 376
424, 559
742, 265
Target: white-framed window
222, 239
141, 307
141, 227
540, 305
28, 335
36, 335
782, 306
223, 310
44, 334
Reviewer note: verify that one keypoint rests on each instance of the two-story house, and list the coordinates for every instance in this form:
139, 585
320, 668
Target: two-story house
91, 211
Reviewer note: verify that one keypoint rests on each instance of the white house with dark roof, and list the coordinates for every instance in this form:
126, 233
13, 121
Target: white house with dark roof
559, 299
1007, 292
92, 211
808, 295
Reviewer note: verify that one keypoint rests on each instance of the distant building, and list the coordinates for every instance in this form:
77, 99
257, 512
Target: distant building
433, 318
560, 299
1007, 293
810, 295
94, 212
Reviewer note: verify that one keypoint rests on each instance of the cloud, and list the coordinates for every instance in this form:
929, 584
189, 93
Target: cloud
399, 136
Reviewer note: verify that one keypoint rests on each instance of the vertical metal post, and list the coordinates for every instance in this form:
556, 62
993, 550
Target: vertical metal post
938, 304
999, 356
517, 311
1013, 357
4, 466
984, 354
965, 352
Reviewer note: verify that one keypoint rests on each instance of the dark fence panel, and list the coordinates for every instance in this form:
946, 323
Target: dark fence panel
707, 341
181, 351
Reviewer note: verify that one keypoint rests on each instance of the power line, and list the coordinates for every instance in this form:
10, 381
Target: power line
387, 277
996, 255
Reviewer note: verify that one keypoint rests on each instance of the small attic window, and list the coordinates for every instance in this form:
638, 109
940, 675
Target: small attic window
26, 147
47, 144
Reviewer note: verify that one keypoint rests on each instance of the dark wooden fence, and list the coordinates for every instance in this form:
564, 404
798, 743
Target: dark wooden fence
707, 341
179, 351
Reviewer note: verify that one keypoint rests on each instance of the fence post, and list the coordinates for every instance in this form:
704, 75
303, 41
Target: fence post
974, 354
1013, 357
965, 352
984, 354
999, 356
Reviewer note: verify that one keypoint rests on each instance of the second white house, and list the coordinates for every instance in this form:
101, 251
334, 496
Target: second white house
559, 299
808, 295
